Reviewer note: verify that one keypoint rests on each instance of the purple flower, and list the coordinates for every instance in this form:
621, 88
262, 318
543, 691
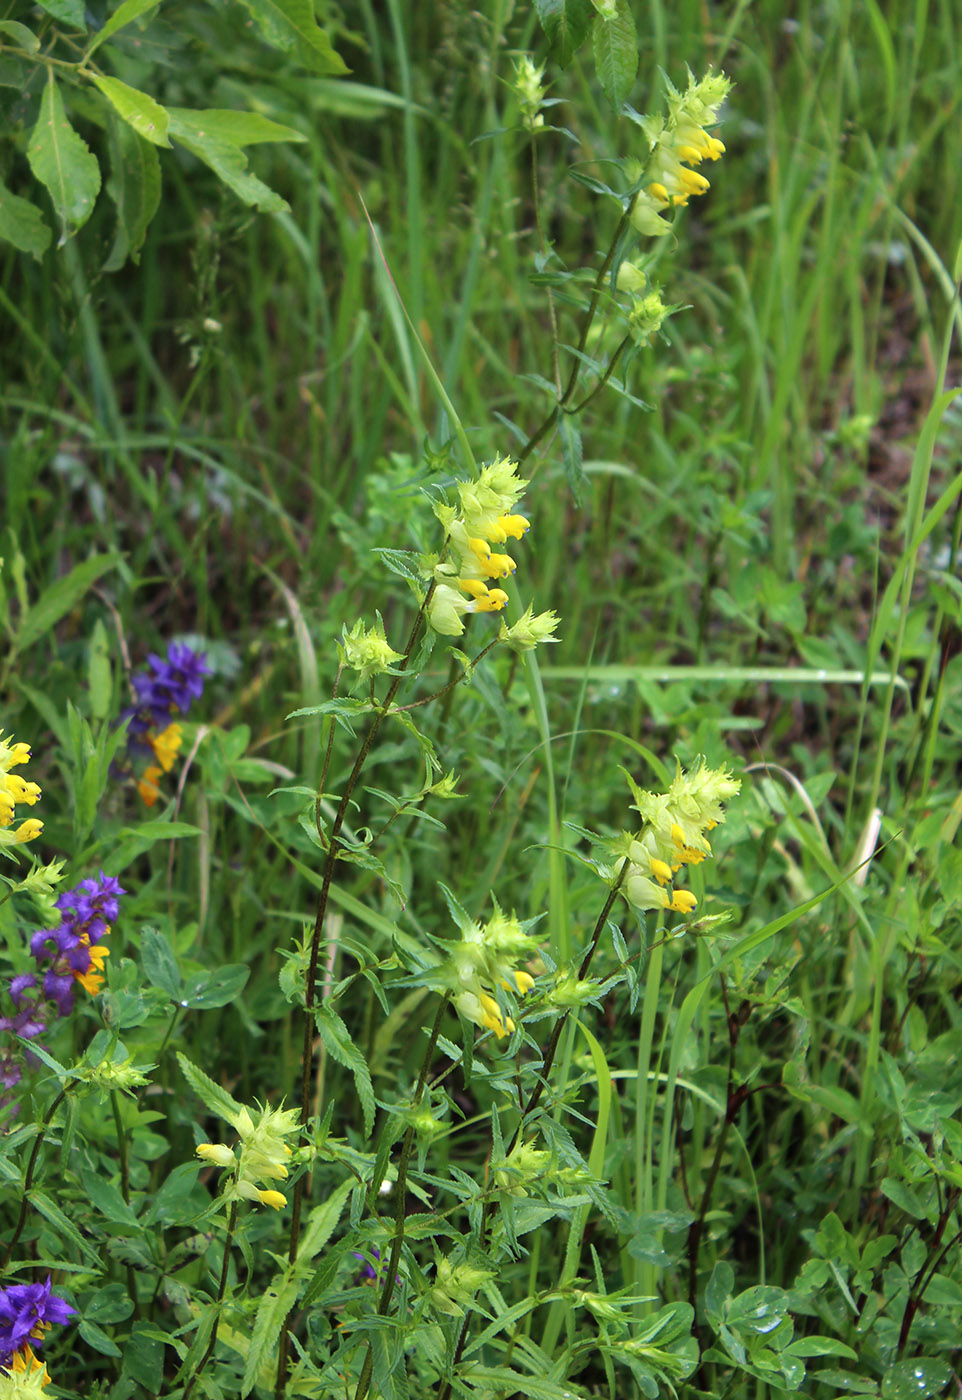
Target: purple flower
169, 687
26, 1309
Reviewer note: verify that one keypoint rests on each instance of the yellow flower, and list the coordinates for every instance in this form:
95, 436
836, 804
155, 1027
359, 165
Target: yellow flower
92, 980
166, 745
147, 785
14, 790
677, 143
485, 517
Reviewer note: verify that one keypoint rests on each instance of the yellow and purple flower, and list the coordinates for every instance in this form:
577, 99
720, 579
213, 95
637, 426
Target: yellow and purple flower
27, 1310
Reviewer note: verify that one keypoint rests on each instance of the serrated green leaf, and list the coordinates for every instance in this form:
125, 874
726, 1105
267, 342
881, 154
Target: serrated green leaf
52, 1212
566, 24
272, 1310
125, 14
236, 128
146, 116
616, 54
228, 162
290, 25
67, 11
339, 1045
321, 1222
23, 37
62, 162
21, 223
214, 1097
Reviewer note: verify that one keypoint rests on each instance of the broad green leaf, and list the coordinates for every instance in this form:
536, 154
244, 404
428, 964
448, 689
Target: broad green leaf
228, 162
144, 1357
14, 72
125, 14
67, 11
60, 597
339, 1045
21, 223
97, 1339
214, 1097
616, 53
914, 1380
206, 990
159, 962
146, 116
272, 1309
63, 163
236, 128
566, 24
134, 186
23, 37
290, 25
820, 1346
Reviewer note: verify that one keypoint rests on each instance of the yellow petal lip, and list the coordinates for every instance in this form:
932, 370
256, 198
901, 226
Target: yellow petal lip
275, 1199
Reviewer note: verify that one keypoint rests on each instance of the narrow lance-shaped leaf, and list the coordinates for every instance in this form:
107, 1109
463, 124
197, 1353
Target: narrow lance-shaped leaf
226, 158
146, 116
134, 186
290, 25
125, 14
62, 162
23, 37
21, 224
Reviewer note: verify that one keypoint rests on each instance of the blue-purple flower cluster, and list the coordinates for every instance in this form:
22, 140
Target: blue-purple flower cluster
26, 1311
168, 688
64, 955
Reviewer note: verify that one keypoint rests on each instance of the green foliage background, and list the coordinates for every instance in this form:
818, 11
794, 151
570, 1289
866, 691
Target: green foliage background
214, 413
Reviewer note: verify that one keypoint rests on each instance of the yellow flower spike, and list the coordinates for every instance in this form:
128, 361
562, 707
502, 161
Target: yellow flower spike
513, 525
474, 586
522, 984
683, 902
498, 566
275, 1199
217, 1152
693, 182
20, 790
661, 871
494, 602
493, 1019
